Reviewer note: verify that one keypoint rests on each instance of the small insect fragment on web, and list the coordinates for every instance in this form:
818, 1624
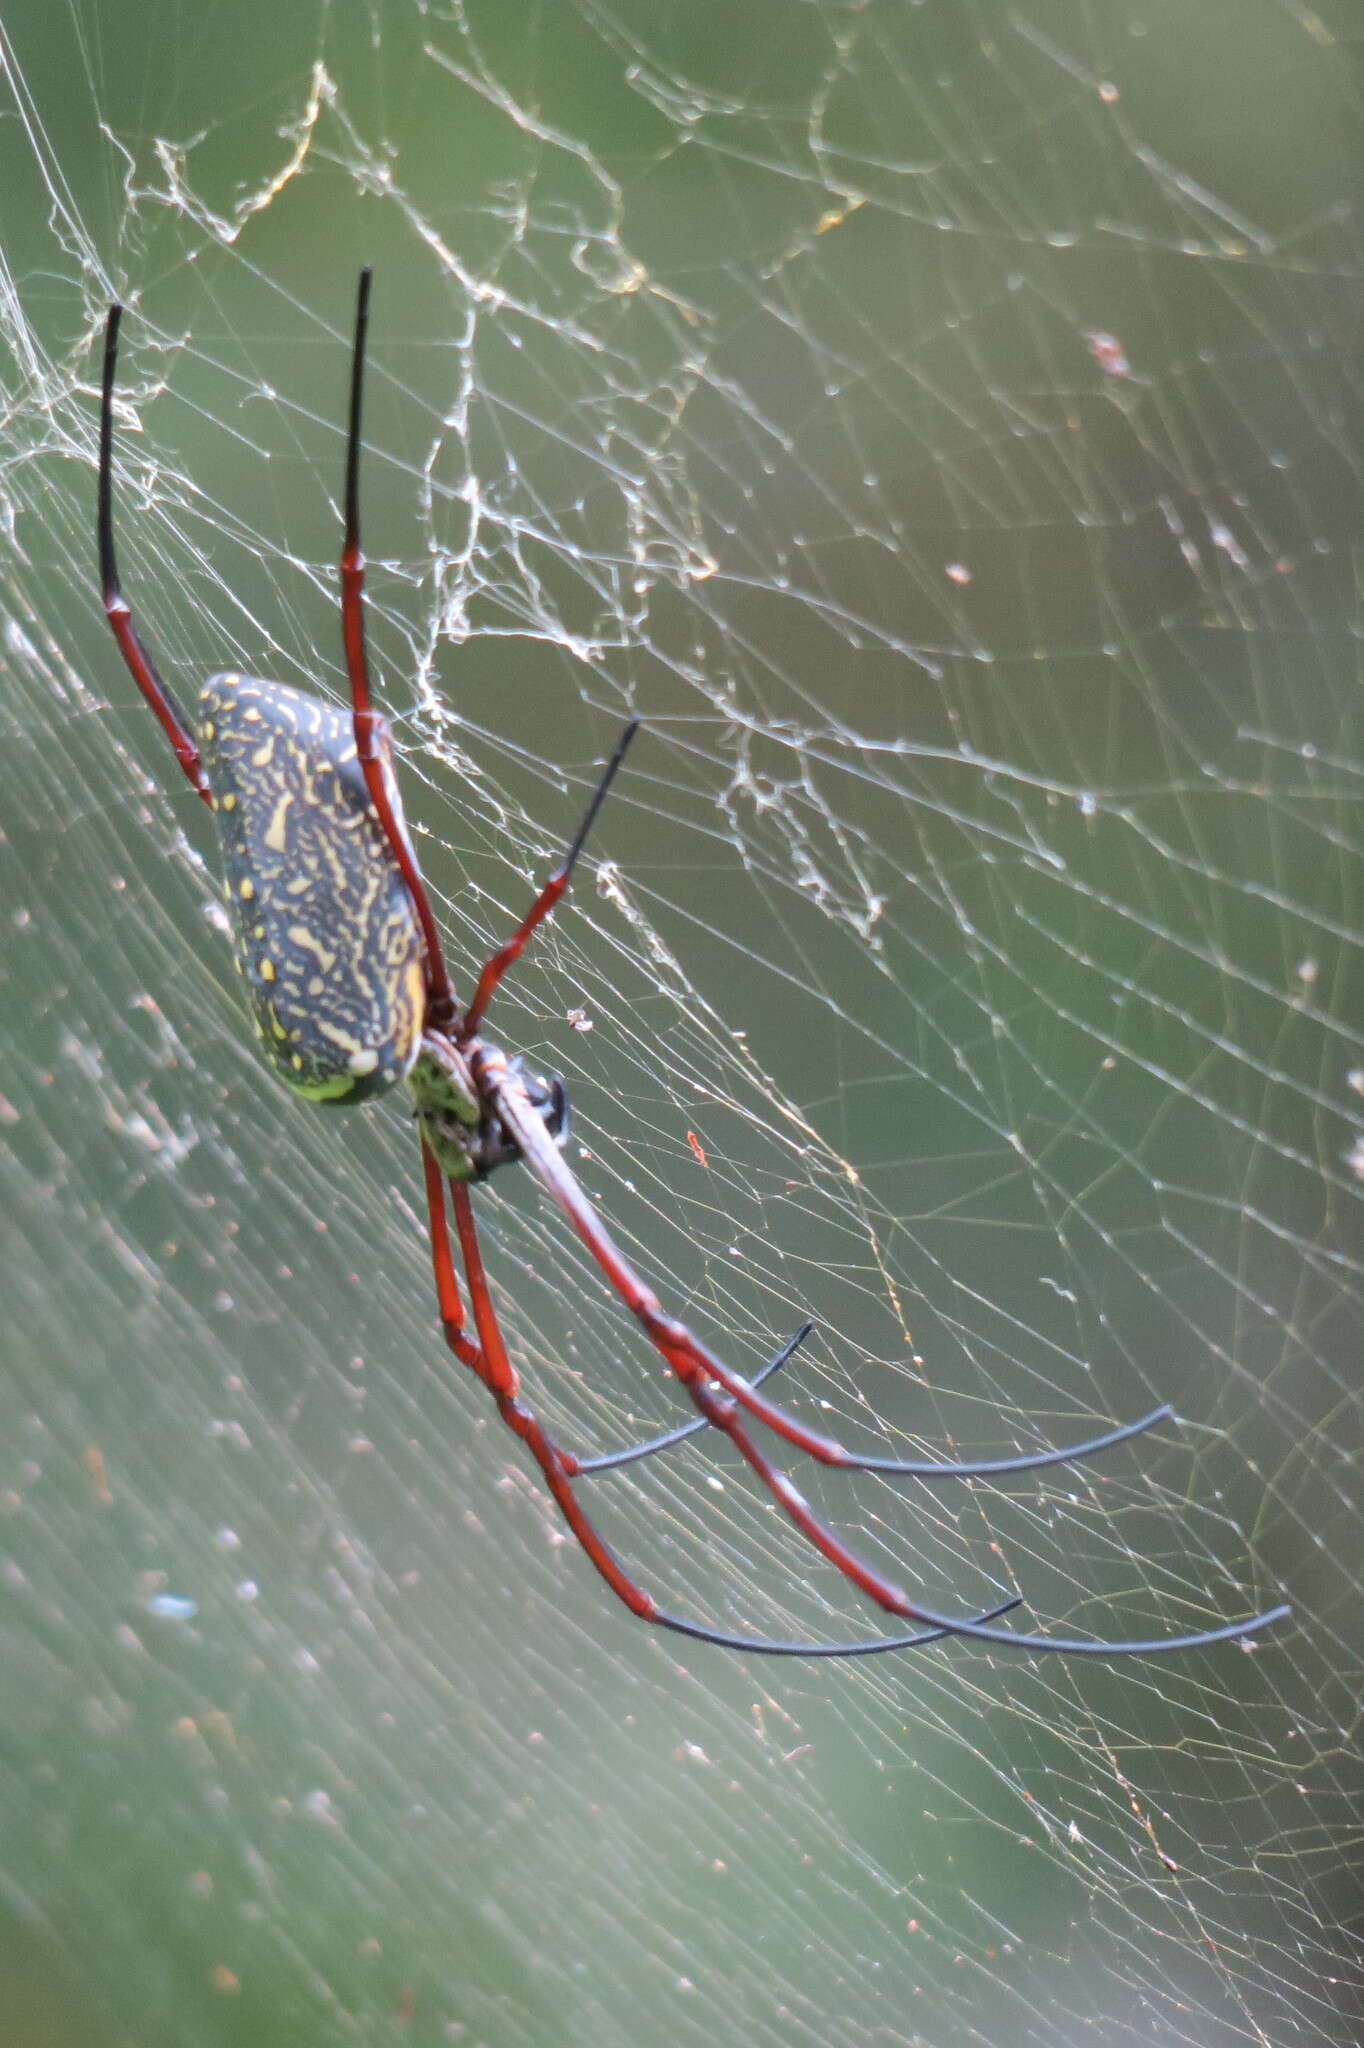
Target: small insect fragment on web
698, 1149
1108, 353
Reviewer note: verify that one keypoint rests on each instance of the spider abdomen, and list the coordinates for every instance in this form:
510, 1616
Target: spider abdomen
325, 934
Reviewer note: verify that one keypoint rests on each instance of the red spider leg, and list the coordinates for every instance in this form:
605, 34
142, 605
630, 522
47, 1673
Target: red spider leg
140, 663
508, 954
689, 1358
560, 1183
456, 1335
371, 731
443, 1267
499, 1375
611, 1461
696, 1367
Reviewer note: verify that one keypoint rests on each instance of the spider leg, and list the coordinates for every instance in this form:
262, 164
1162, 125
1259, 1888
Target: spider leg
767, 1646
499, 1375
455, 1332
371, 732
689, 1358
722, 1412
506, 955
452, 1322
697, 1368
140, 664
611, 1461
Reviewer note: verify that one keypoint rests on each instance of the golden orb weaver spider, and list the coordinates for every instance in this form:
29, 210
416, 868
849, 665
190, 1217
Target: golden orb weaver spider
340, 951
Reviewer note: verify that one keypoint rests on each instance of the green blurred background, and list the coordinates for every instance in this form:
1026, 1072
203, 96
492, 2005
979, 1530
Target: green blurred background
942, 424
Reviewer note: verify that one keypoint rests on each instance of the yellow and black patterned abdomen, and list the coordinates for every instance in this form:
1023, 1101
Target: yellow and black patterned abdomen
326, 935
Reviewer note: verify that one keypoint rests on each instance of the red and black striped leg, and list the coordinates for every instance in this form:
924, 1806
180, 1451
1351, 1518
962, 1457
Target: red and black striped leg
611, 1461
698, 1369
140, 664
507, 955
371, 732
500, 1377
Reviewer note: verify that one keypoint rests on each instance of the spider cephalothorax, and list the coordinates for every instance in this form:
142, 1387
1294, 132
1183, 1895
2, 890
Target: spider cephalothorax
344, 966
460, 1124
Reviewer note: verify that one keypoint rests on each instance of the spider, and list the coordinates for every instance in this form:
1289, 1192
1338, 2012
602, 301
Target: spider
339, 949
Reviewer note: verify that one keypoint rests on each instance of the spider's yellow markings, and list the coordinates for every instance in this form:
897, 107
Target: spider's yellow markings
305, 941
296, 822
275, 837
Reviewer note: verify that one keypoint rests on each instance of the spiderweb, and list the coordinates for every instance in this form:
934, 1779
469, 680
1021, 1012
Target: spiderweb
941, 424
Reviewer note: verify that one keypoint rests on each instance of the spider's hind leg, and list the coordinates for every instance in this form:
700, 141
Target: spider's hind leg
611, 1461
